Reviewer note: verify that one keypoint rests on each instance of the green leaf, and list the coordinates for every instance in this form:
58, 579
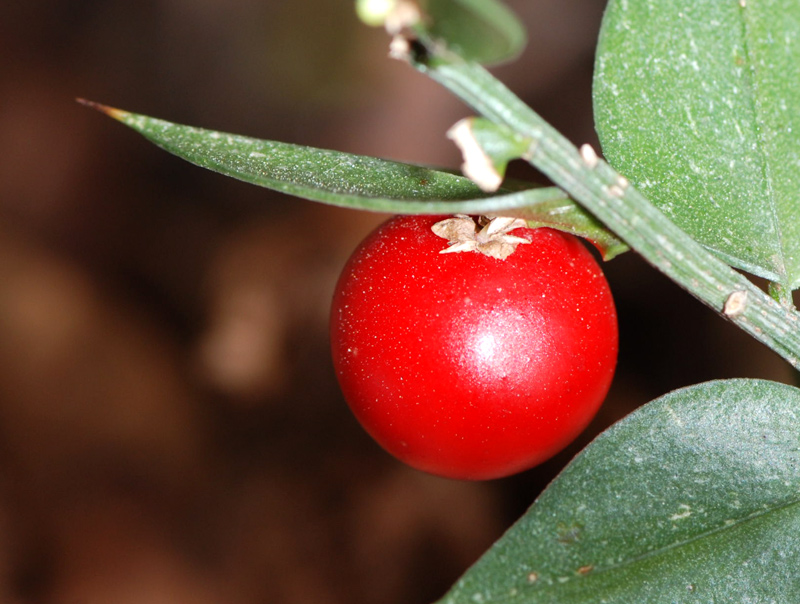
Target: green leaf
692, 498
484, 31
565, 215
360, 182
697, 102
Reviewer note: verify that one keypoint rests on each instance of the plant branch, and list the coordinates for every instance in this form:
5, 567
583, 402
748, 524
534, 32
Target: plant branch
623, 209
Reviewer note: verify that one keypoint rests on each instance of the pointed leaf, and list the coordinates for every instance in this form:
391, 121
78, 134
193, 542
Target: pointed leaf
692, 498
698, 104
361, 182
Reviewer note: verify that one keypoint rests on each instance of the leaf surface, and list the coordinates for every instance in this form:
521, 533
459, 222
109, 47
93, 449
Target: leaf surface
484, 31
697, 102
692, 498
362, 182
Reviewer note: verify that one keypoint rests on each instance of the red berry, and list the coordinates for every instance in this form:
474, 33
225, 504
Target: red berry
466, 365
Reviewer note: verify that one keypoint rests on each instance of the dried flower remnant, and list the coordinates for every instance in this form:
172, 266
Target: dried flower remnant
493, 238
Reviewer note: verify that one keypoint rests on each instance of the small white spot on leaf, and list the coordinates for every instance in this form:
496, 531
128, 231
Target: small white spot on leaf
685, 512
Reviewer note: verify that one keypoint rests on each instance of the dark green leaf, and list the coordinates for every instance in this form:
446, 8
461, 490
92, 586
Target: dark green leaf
360, 182
484, 31
698, 103
693, 498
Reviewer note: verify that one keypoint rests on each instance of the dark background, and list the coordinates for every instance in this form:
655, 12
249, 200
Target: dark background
170, 426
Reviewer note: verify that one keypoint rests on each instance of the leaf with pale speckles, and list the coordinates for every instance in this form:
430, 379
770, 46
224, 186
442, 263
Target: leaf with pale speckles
362, 182
697, 102
692, 498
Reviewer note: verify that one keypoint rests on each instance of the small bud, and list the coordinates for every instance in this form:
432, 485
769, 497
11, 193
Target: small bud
375, 12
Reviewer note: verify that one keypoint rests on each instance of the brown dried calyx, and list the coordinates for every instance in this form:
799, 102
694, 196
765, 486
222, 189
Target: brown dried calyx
491, 237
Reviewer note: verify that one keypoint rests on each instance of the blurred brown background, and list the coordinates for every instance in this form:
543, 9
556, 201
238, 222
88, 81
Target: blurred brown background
170, 427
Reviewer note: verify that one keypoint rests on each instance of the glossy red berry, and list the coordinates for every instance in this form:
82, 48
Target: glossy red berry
469, 366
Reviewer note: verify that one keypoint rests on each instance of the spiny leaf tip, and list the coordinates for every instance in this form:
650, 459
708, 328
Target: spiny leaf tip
117, 114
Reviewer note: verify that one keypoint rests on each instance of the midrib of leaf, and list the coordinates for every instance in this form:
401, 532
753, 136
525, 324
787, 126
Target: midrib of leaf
630, 564
665, 550
761, 127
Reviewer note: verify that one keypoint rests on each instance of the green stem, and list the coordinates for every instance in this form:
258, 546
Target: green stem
625, 211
